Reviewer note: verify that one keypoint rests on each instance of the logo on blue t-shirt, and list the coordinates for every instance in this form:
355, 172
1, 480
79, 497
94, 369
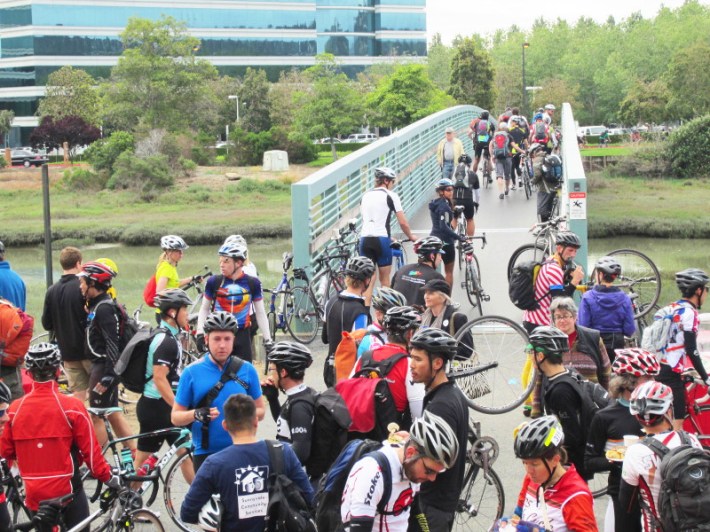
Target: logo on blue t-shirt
252, 491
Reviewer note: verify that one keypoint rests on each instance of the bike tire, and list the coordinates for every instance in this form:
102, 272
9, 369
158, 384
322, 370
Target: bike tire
473, 285
482, 500
271, 316
526, 181
304, 319
525, 253
174, 491
144, 520
500, 343
19, 513
599, 484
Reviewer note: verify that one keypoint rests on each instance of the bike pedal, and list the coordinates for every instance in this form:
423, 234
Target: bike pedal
485, 297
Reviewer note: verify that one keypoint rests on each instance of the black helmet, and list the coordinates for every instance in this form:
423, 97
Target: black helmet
608, 265
435, 342
465, 158
399, 320
537, 437
385, 298
43, 356
690, 279
5, 393
290, 355
359, 268
384, 173
220, 321
550, 340
171, 298
428, 245
568, 239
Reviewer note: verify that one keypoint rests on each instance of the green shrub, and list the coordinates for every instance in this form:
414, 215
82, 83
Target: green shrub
146, 176
299, 147
645, 160
83, 179
103, 153
201, 156
250, 147
248, 185
687, 148
3, 162
188, 166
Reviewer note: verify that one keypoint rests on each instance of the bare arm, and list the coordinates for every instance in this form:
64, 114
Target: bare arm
160, 377
404, 224
181, 416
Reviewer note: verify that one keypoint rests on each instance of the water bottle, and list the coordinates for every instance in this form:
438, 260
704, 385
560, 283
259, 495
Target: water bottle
148, 465
127, 461
322, 286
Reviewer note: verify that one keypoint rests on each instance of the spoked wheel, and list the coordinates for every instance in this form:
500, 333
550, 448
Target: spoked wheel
460, 254
174, 491
496, 347
303, 319
527, 178
473, 284
481, 501
639, 278
526, 253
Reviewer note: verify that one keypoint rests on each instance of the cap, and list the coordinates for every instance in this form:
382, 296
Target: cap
437, 285
449, 130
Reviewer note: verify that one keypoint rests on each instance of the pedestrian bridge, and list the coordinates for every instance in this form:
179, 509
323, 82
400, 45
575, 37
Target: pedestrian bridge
326, 200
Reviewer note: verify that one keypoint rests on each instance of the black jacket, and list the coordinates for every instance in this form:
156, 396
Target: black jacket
64, 316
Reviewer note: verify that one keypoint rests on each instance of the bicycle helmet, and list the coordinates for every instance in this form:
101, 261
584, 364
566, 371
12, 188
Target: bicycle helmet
385, 298
435, 342
635, 361
43, 356
384, 173
97, 272
465, 158
536, 438
220, 321
173, 243
359, 268
399, 320
428, 245
210, 517
435, 438
550, 340
537, 117
235, 239
444, 183
568, 239
691, 279
650, 402
171, 298
5, 393
608, 265
108, 262
291, 356
503, 126
233, 250
550, 107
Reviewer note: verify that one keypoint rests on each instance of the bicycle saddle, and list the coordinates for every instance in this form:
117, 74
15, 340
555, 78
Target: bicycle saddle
103, 412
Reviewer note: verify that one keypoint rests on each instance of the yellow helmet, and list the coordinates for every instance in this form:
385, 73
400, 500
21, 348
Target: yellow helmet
108, 262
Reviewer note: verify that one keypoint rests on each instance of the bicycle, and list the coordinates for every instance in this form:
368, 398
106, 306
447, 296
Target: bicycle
486, 171
399, 254
14, 490
527, 173
460, 232
472, 279
697, 403
545, 234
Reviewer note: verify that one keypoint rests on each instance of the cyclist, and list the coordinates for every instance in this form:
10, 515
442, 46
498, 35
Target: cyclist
467, 191
383, 300
102, 335
448, 152
607, 308
376, 208
518, 131
681, 353
162, 365
631, 367
237, 293
558, 276
430, 449
50, 434
503, 157
554, 496
5, 399
651, 403
480, 132
540, 133
346, 311
549, 113
212, 380
12, 287
166, 275
249, 267
442, 220
430, 350
410, 278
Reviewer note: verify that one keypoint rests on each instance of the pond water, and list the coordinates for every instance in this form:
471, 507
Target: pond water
136, 264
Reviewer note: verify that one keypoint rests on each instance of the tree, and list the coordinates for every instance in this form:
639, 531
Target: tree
254, 101
439, 62
472, 74
689, 83
51, 134
283, 97
158, 82
6, 118
556, 92
71, 92
645, 102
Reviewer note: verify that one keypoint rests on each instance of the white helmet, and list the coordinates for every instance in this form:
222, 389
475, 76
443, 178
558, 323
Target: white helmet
550, 107
436, 438
236, 239
210, 516
172, 242
233, 250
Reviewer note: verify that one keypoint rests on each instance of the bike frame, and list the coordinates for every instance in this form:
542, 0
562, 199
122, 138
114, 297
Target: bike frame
697, 411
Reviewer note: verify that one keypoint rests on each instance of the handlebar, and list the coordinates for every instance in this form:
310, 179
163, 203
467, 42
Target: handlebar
482, 238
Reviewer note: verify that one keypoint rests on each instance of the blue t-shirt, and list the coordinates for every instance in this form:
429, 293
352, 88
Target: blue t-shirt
12, 287
196, 382
240, 475
234, 296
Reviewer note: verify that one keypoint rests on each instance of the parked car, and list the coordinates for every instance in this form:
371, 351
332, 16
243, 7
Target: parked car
593, 131
326, 140
27, 158
361, 138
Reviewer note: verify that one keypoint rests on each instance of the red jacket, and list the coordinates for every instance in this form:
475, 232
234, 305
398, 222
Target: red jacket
44, 426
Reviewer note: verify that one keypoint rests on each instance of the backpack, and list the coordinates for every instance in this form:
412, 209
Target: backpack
482, 134
594, 396
127, 326
346, 353
521, 285
657, 336
16, 327
552, 170
460, 176
501, 145
287, 510
331, 421
368, 397
542, 133
149, 292
131, 365
330, 489
684, 499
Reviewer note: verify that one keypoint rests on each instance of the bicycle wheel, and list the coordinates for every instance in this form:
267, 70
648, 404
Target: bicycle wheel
473, 284
40, 338
599, 484
526, 181
303, 319
144, 519
15, 495
525, 253
271, 316
459, 246
498, 345
481, 501
174, 491
639, 275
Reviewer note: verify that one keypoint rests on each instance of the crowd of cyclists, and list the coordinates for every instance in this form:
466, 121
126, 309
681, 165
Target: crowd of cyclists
408, 324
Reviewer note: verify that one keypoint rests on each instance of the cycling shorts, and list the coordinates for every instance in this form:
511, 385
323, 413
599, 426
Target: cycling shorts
480, 147
107, 399
449, 255
154, 414
467, 206
377, 249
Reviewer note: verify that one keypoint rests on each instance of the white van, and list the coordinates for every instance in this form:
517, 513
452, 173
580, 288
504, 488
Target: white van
361, 138
586, 131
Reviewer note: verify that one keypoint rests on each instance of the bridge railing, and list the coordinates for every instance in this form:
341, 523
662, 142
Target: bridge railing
326, 200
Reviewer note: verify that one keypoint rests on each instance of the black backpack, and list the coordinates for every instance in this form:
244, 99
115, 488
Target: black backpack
287, 510
127, 326
461, 176
132, 363
521, 285
684, 499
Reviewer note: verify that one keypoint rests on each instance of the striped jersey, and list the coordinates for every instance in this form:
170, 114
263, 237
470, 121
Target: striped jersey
550, 277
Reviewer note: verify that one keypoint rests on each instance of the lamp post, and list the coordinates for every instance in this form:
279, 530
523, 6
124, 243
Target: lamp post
525, 93
232, 97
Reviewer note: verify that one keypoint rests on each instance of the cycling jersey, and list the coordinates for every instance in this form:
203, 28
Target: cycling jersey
550, 283
164, 350
364, 490
165, 269
295, 422
103, 328
376, 208
235, 296
685, 319
441, 216
409, 280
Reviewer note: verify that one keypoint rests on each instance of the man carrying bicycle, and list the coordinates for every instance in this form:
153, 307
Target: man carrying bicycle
411, 278
467, 193
50, 434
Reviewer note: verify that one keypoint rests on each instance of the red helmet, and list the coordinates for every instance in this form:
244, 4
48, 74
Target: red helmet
650, 402
635, 361
97, 272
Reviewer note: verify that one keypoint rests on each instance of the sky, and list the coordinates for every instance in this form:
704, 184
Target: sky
452, 17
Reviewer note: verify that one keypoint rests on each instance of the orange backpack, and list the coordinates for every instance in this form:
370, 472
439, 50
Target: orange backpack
15, 334
346, 353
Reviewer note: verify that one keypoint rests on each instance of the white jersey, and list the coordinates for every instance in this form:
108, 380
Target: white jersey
364, 489
376, 207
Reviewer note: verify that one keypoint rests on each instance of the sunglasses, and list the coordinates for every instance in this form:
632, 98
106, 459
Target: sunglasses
428, 470
448, 189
